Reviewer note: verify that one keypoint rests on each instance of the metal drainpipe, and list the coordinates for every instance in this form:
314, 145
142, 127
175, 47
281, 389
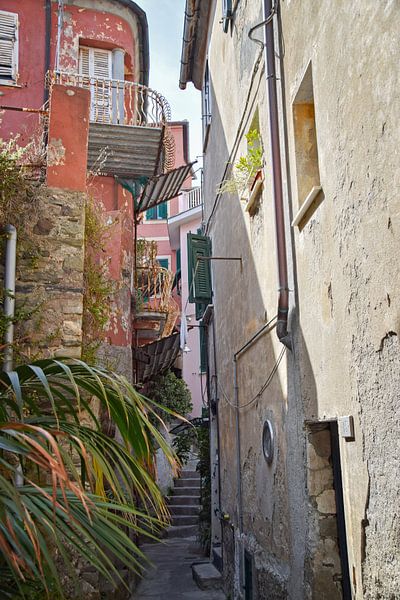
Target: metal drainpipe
47, 47
9, 297
9, 313
283, 301
60, 23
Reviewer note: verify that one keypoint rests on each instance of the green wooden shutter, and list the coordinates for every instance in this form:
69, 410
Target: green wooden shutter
162, 211
203, 349
200, 310
178, 260
199, 270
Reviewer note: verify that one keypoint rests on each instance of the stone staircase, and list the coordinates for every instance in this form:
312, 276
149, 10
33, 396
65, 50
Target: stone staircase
184, 505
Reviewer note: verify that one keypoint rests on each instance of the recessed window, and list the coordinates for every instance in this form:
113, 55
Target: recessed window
157, 213
206, 105
8, 48
164, 261
306, 150
96, 65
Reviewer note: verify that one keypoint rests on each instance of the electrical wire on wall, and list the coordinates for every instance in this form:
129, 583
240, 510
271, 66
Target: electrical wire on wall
264, 386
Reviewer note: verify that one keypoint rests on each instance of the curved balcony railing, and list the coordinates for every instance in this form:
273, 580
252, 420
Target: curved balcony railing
117, 102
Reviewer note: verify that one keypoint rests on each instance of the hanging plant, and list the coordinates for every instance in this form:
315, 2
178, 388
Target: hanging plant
245, 170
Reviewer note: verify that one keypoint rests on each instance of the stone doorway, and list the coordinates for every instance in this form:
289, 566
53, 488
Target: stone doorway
327, 561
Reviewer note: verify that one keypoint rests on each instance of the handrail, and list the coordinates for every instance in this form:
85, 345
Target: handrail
118, 102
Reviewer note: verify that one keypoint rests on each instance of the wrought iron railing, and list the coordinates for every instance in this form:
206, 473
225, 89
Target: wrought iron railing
118, 102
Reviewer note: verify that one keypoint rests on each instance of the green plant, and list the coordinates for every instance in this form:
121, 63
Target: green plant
83, 491
172, 392
245, 169
98, 286
183, 442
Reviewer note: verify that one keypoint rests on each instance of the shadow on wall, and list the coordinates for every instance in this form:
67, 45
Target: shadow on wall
274, 500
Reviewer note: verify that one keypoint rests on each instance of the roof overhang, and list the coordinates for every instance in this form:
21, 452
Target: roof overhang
195, 42
156, 357
161, 188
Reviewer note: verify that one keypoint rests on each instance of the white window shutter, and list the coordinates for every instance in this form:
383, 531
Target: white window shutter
97, 65
84, 62
8, 46
102, 63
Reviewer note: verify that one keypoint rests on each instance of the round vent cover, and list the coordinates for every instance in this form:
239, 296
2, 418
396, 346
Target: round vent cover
268, 441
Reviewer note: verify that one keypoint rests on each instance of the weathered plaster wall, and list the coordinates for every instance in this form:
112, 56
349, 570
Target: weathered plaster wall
102, 23
245, 299
344, 275
347, 263
30, 89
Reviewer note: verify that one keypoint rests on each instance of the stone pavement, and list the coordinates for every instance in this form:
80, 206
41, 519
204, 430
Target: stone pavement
170, 577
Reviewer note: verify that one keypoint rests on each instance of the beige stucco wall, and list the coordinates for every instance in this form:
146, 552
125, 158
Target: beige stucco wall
344, 307
347, 260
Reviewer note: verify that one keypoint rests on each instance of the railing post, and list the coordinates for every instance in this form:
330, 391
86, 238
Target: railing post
118, 95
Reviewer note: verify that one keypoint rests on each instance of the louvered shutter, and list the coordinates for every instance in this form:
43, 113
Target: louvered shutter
96, 64
151, 214
8, 46
162, 211
203, 349
199, 270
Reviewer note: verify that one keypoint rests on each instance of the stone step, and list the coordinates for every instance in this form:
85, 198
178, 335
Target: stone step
184, 509
217, 558
183, 500
187, 482
185, 519
181, 531
190, 474
186, 491
207, 576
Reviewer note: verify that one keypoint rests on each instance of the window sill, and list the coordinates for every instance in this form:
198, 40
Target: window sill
10, 84
255, 192
302, 215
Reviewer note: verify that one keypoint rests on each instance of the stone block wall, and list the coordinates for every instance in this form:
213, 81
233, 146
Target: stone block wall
50, 275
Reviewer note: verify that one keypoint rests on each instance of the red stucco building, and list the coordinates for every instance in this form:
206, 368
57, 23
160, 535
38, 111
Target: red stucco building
74, 78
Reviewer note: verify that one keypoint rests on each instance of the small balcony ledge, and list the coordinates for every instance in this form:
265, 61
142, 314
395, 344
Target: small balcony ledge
127, 131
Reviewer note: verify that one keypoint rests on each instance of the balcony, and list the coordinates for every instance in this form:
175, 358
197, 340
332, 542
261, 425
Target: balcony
190, 209
190, 199
128, 136
155, 310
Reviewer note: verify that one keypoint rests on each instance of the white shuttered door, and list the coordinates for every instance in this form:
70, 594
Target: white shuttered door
96, 65
8, 46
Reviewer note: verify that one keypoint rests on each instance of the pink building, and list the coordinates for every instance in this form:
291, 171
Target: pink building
186, 220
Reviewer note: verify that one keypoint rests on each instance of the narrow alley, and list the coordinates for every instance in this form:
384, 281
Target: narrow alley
170, 577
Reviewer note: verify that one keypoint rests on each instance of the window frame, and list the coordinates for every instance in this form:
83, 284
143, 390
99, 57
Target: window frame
15, 52
157, 219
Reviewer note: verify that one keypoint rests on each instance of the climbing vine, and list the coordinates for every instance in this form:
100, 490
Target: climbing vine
97, 284
18, 205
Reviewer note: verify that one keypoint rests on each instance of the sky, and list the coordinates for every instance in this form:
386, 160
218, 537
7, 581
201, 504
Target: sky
165, 18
